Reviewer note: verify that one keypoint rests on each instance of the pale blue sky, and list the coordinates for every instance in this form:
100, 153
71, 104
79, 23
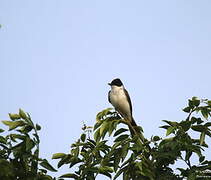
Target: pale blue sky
56, 58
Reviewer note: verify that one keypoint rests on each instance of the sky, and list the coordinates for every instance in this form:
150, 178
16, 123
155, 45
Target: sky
56, 58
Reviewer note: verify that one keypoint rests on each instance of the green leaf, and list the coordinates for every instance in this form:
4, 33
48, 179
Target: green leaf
205, 112
14, 116
190, 103
64, 160
103, 113
170, 130
193, 120
105, 170
119, 172
38, 127
185, 125
47, 166
69, 175
22, 114
196, 101
13, 124
188, 155
1, 130
104, 129
199, 128
122, 137
124, 151
116, 145
29, 144
165, 126
208, 124
187, 109
171, 123
17, 136
26, 129
119, 131
83, 137
201, 159
58, 155
202, 137
3, 140
111, 128
97, 124
74, 161
156, 138
97, 135
199, 121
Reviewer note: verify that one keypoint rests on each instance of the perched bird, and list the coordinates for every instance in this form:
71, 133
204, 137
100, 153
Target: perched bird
120, 99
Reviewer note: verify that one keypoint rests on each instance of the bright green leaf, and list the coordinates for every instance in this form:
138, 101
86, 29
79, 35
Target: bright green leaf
202, 137
97, 135
13, 124
22, 114
97, 124
58, 155
170, 130
104, 129
14, 116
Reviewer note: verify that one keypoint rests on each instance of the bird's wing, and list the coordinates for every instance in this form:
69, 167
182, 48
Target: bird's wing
109, 100
128, 99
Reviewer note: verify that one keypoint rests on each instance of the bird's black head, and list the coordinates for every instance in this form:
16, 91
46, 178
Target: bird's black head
116, 82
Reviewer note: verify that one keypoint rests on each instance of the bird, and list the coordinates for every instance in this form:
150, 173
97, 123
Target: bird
119, 97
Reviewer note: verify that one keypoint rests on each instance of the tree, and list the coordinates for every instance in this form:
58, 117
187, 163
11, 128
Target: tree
112, 151
150, 159
19, 150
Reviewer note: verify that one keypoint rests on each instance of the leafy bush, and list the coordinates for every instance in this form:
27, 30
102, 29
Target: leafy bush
112, 151
138, 158
19, 150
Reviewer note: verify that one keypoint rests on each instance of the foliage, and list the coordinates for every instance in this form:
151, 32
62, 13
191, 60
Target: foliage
135, 158
19, 150
112, 151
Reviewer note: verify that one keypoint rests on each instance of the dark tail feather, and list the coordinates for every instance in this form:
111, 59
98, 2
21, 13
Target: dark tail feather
133, 123
139, 133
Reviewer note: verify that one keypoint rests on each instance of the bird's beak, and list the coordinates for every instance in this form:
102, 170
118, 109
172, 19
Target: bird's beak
109, 84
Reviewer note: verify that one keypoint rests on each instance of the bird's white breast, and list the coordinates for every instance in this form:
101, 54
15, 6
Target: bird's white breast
119, 101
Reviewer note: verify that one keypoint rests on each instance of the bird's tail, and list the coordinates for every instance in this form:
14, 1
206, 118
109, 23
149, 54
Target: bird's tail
134, 130
133, 123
